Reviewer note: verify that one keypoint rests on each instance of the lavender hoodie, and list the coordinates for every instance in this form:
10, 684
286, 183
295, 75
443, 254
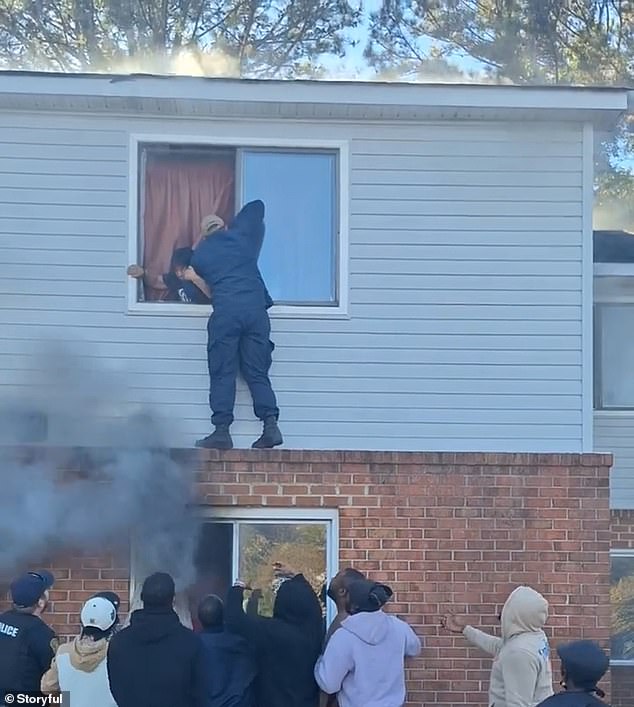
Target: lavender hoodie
364, 661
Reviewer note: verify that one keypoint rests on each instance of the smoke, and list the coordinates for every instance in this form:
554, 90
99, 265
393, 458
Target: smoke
614, 215
187, 62
100, 477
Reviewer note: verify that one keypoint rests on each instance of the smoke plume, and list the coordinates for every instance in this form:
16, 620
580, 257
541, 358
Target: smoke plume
100, 476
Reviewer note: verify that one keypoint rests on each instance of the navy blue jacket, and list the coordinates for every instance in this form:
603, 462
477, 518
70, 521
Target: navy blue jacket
26, 652
231, 669
228, 262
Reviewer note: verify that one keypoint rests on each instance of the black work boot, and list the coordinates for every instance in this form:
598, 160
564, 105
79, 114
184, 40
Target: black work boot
218, 439
271, 435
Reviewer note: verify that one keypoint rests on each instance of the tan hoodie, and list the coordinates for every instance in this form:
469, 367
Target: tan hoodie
521, 675
80, 668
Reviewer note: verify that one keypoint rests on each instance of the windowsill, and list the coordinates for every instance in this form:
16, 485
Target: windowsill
618, 412
176, 309
622, 663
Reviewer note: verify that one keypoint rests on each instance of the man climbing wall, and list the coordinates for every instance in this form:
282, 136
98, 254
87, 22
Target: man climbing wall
239, 328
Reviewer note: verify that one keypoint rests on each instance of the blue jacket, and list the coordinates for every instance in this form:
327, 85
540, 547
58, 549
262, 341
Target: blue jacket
230, 668
228, 262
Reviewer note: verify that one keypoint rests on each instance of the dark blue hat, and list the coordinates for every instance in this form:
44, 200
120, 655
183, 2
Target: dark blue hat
584, 662
27, 589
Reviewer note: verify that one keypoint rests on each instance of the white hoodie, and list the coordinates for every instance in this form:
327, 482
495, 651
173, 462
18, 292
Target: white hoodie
80, 668
364, 661
521, 674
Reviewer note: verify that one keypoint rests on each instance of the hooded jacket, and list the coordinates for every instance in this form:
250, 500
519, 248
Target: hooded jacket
286, 646
364, 660
156, 662
521, 675
80, 669
228, 262
231, 669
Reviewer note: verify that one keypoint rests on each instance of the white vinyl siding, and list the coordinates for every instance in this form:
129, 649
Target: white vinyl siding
614, 433
465, 283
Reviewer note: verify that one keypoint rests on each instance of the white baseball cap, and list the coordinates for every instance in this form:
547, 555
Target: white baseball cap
98, 612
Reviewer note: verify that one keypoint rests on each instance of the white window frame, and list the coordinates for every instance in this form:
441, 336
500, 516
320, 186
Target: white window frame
607, 292
621, 553
233, 514
181, 309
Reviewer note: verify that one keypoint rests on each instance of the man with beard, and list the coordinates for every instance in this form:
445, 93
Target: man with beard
27, 644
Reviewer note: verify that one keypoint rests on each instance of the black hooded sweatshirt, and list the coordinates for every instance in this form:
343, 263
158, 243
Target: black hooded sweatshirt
286, 646
156, 662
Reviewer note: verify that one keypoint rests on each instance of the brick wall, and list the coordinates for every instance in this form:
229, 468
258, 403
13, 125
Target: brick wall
622, 676
445, 530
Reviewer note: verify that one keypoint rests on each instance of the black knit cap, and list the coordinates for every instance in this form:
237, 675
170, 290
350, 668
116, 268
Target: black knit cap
585, 663
368, 596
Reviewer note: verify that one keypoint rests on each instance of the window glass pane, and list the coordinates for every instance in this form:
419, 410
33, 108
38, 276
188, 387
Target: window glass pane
622, 597
299, 546
298, 189
617, 355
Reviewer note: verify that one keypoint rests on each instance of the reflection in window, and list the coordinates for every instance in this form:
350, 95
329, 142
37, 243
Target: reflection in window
615, 324
300, 547
622, 599
298, 255
246, 549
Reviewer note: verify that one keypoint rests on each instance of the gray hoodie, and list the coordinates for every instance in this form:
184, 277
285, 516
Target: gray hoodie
364, 661
521, 675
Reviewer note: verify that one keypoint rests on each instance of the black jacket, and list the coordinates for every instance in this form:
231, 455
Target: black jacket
287, 646
231, 669
156, 662
573, 699
228, 262
26, 652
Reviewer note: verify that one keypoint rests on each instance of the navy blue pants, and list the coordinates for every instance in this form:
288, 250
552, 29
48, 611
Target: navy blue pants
239, 341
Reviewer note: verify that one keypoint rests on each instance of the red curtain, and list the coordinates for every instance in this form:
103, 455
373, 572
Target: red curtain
179, 191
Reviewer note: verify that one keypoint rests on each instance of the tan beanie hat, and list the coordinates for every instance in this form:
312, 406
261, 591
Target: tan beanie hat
210, 224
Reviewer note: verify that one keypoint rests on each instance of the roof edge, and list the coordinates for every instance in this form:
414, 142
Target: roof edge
422, 95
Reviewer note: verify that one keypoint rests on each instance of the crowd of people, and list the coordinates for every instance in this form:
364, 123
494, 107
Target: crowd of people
243, 659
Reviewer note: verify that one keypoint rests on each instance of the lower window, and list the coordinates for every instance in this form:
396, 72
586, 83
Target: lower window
244, 545
622, 599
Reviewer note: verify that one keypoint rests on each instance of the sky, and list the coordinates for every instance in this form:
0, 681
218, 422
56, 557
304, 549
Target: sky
354, 63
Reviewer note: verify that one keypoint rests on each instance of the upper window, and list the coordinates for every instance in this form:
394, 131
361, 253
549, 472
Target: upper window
614, 356
622, 600
179, 184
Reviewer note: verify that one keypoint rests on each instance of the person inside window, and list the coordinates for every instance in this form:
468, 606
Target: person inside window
583, 664
182, 283
239, 328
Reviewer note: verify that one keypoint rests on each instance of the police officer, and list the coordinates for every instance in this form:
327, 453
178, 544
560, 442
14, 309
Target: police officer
583, 664
27, 644
239, 328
